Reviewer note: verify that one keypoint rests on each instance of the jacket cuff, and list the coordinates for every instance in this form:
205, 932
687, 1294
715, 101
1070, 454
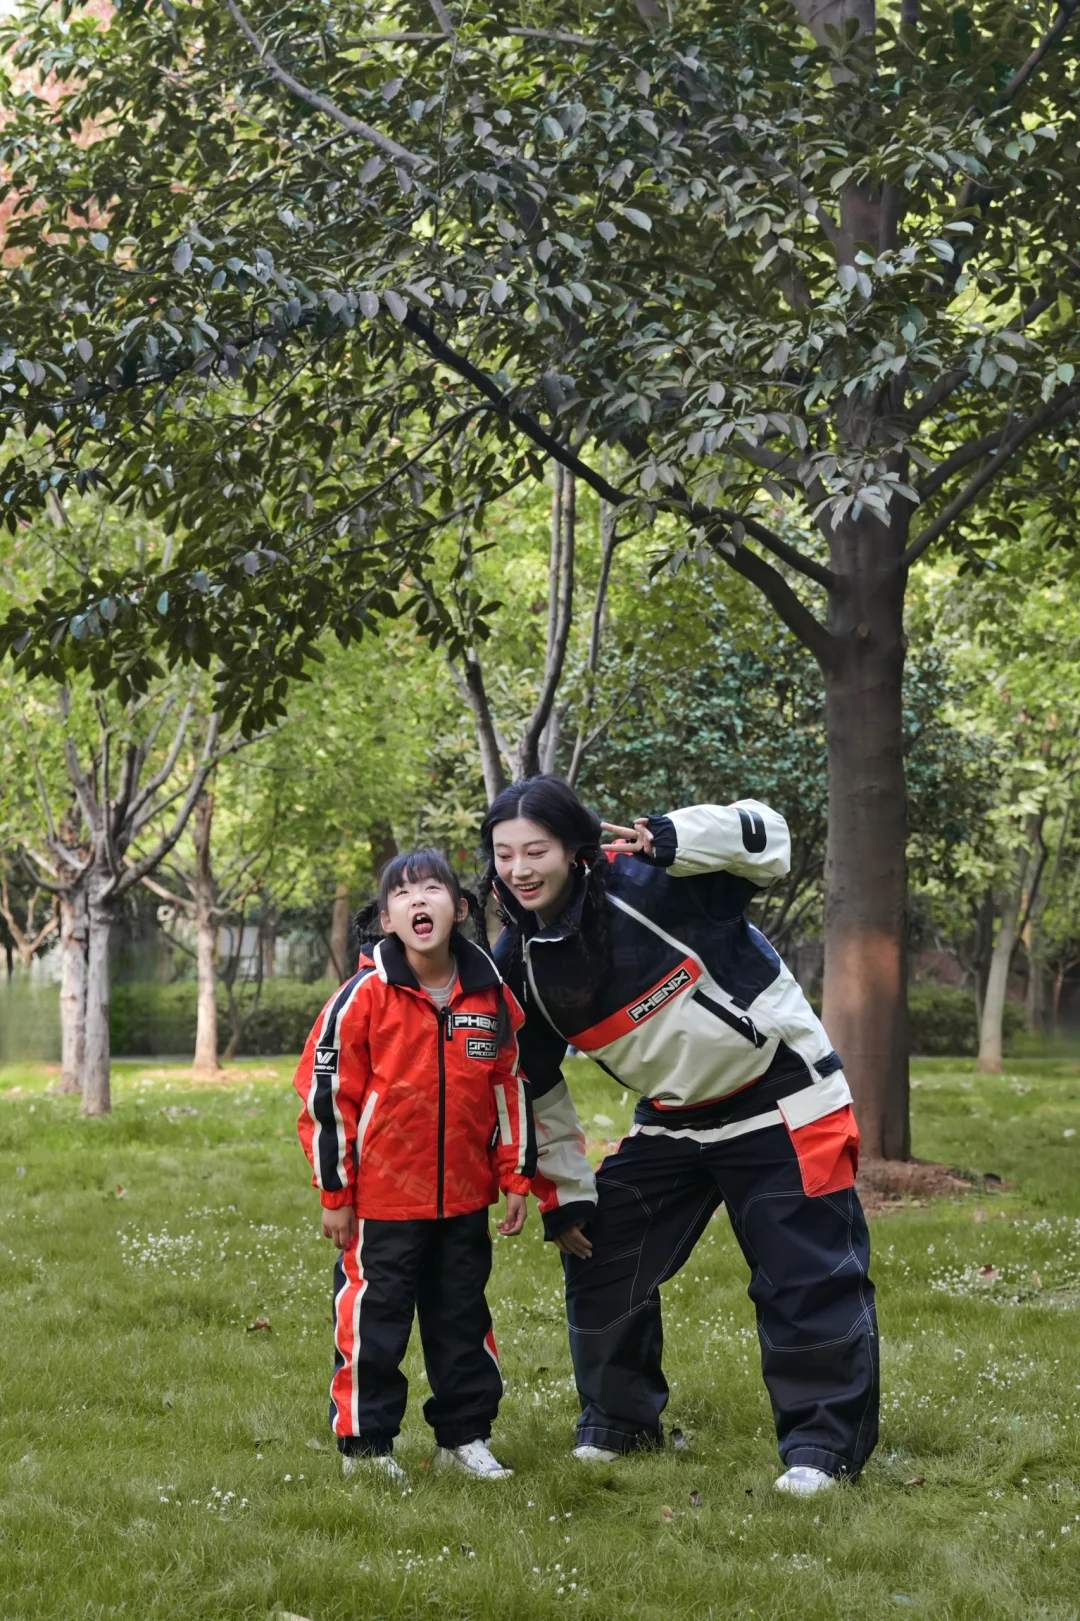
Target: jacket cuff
336, 1201
515, 1184
567, 1215
665, 842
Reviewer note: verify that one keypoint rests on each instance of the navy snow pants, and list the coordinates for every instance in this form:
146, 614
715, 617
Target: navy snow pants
437, 1271
808, 1259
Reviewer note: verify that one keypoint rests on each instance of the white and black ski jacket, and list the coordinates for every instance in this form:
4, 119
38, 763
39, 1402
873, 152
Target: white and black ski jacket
697, 1012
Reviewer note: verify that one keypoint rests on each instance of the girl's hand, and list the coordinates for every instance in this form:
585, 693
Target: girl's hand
339, 1226
630, 841
573, 1242
517, 1208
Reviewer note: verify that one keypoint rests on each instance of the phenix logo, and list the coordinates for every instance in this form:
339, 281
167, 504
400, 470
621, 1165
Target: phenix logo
655, 999
326, 1057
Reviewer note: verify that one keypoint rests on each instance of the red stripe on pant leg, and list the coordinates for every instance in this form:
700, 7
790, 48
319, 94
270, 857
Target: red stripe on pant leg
490, 1347
343, 1387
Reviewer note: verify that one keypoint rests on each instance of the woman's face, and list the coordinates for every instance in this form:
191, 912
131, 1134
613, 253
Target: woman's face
533, 865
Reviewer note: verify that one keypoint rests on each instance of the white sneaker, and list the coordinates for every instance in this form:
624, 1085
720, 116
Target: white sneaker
590, 1454
475, 1458
380, 1463
804, 1481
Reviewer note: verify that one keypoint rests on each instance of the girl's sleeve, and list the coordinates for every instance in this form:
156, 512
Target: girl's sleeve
514, 1151
746, 838
332, 1079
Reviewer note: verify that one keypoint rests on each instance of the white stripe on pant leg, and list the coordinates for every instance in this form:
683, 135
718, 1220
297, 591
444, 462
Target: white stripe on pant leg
354, 1384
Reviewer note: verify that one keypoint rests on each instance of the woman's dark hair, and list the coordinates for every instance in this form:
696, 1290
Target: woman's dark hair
553, 805
412, 867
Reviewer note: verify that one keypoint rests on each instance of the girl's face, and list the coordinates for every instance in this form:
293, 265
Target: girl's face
533, 865
422, 912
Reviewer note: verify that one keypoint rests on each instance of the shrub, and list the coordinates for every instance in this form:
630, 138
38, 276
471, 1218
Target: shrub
943, 1022
150, 1020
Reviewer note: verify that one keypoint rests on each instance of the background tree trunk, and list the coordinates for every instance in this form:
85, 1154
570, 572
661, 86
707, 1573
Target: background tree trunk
74, 931
337, 961
865, 933
996, 985
102, 921
206, 1056
1035, 996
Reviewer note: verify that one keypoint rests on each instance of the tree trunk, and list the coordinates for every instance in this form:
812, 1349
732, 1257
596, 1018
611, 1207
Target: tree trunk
206, 1057
996, 986
1035, 995
865, 981
337, 961
983, 950
74, 930
103, 916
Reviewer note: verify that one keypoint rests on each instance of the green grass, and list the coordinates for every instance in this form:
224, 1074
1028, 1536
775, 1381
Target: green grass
157, 1459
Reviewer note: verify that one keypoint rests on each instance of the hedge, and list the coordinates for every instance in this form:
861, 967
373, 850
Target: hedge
943, 1023
150, 1019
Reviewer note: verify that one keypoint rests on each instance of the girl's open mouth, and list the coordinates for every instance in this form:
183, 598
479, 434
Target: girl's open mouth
422, 926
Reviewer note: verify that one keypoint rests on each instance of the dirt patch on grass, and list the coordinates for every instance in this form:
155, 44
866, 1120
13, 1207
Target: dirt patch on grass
230, 1075
891, 1184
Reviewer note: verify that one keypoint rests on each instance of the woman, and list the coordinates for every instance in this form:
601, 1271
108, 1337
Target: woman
640, 954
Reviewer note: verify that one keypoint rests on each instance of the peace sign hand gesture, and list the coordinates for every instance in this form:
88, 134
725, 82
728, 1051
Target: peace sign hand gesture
629, 841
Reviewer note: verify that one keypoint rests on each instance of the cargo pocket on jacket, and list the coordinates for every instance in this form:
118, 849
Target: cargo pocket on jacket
827, 1151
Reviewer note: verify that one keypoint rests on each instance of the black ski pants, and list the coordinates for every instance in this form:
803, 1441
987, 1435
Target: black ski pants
437, 1270
808, 1260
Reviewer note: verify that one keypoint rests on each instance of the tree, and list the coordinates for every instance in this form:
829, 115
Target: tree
398, 258
121, 784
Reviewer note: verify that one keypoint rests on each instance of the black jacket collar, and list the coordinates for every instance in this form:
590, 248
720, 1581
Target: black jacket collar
475, 968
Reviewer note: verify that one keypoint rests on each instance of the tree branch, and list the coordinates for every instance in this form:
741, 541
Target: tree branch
557, 652
772, 585
138, 870
986, 475
161, 777
960, 458
322, 104
940, 391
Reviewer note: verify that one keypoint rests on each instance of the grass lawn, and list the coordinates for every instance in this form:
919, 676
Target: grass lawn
158, 1458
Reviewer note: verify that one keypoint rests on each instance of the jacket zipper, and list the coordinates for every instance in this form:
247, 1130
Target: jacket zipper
446, 1034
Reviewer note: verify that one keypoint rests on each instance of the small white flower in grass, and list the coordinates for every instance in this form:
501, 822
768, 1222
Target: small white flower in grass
289, 1477
1069, 1133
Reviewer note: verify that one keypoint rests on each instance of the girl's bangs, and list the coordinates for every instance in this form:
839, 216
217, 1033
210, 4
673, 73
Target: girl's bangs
413, 867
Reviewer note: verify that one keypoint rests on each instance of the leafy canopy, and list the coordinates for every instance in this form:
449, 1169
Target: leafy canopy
311, 285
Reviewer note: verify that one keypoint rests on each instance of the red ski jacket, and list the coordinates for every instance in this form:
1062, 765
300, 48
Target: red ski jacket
412, 1111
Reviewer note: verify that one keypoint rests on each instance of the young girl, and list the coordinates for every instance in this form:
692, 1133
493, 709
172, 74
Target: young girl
414, 1117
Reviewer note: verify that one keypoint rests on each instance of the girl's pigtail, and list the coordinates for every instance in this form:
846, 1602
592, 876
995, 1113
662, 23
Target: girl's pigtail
366, 925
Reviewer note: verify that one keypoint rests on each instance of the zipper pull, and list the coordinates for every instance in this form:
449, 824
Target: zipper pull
448, 1021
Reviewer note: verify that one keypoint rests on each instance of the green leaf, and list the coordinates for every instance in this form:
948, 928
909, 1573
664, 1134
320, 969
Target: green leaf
636, 217
182, 257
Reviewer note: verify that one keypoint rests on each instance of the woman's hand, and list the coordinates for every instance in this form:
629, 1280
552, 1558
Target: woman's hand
572, 1241
339, 1226
630, 841
517, 1208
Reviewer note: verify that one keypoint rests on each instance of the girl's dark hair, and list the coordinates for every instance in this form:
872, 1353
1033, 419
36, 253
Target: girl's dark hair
412, 867
552, 803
